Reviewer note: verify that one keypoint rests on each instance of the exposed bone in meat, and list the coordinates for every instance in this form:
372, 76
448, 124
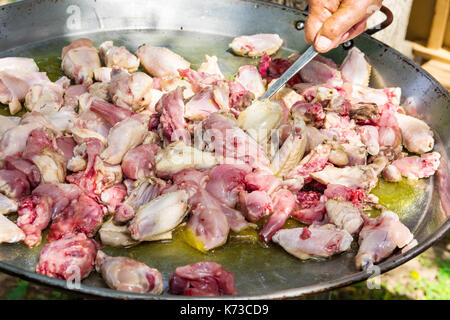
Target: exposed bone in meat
255, 204
126, 274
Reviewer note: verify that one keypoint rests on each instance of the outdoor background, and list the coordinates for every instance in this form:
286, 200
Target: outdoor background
425, 277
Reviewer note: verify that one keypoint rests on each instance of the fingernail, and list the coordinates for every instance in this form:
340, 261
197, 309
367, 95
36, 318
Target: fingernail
323, 43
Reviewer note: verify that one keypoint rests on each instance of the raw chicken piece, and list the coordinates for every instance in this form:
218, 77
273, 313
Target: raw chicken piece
363, 177
416, 134
42, 150
124, 136
70, 258
260, 118
26, 167
34, 216
125, 274
202, 279
211, 66
7, 205
46, 97
315, 241
369, 136
118, 57
60, 195
239, 97
200, 80
171, 107
161, 62
256, 45
9, 231
250, 79
25, 65
226, 181
178, 156
17, 75
90, 125
103, 75
66, 144
113, 196
169, 84
159, 216
311, 113
312, 162
81, 216
207, 222
316, 72
71, 95
13, 183
262, 180
110, 112
311, 207
7, 123
131, 91
115, 235
379, 237
191, 181
62, 120
392, 174
283, 204
355, 69
344, 215
418, 167
143, 192
255, 205
79, 60
201, 105
357, 93
232, 143
291, 152
343, 193
139, 162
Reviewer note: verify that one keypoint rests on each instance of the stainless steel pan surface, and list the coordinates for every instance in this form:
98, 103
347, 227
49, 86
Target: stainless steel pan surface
39, 29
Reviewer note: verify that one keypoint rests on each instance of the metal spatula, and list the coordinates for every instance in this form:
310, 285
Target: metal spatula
303, 60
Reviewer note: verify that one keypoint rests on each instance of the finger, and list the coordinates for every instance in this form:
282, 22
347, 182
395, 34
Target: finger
319, 12
355, 31
350, 14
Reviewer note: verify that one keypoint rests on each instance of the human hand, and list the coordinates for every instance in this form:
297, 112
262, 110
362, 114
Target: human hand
332, 22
